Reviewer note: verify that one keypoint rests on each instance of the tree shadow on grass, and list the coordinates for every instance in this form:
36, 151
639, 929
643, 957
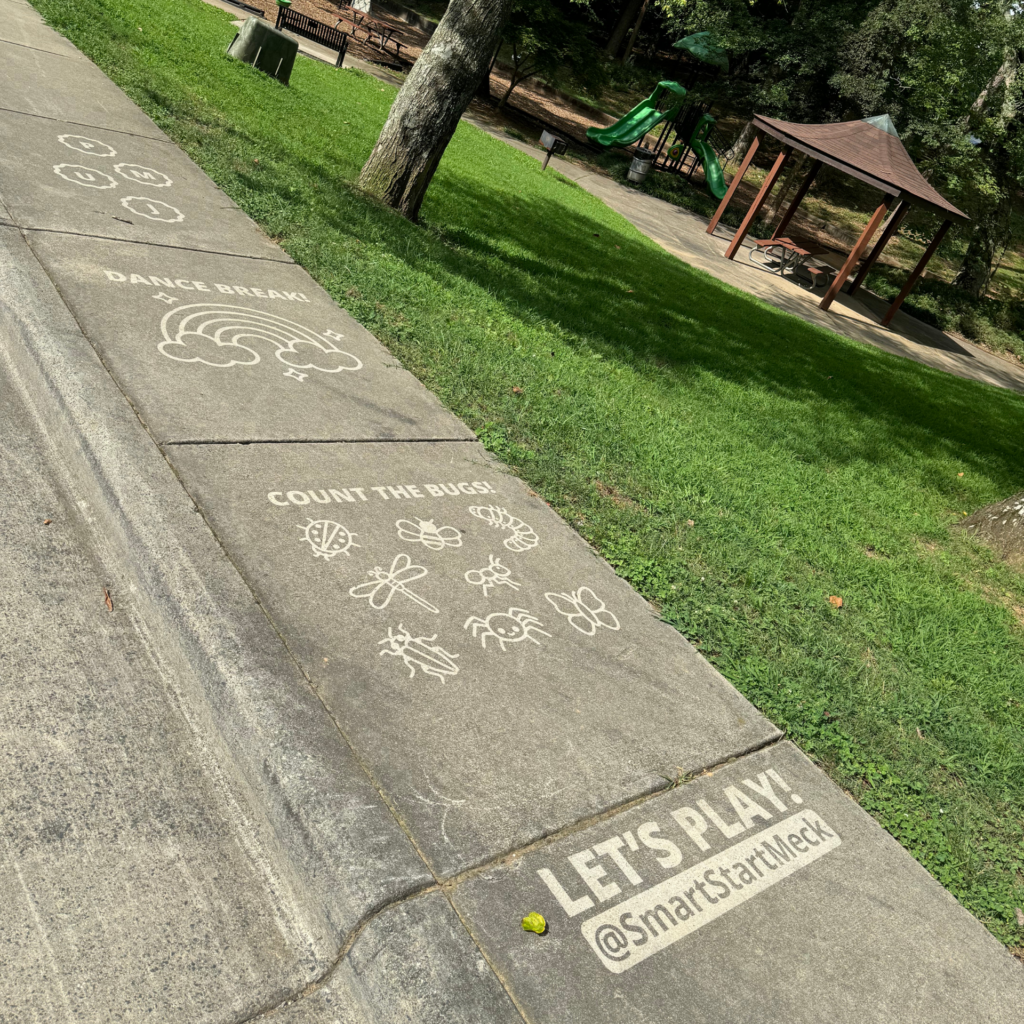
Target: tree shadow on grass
640, 305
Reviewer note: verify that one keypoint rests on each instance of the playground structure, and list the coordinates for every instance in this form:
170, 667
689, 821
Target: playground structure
688, 127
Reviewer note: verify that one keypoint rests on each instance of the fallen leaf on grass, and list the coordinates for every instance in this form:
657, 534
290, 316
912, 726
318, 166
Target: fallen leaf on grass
1019, 914
920, 735
107, 601
46, 522
836, 602
690, 522
535, 923
517, 391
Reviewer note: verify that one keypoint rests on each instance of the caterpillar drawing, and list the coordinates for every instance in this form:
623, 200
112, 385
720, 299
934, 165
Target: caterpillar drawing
522, 539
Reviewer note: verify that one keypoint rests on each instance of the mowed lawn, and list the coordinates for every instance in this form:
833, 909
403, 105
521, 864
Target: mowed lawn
737, 465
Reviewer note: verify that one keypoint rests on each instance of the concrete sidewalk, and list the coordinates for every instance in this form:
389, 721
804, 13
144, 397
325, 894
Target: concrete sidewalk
311, 700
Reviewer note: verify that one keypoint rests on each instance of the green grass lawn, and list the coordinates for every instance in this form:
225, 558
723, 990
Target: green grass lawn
736, 464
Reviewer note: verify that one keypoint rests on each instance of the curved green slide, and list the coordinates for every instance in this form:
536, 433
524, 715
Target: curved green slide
713, 176
641, 119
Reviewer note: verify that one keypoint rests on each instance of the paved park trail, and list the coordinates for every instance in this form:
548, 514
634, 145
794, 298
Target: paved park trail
307, 701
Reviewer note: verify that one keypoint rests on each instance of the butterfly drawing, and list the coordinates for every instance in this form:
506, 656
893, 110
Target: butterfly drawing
584, 610
385, 584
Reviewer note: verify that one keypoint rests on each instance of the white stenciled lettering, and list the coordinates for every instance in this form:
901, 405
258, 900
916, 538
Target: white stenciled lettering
113, 275
199, 286
727, 830
592, 874
259, 293
434, 490
182, 283
342, 495
763, 788
273, 497
298, 497
565, 901
746, 808
670, 854
613, 848
626, 934
225, 288
694, 825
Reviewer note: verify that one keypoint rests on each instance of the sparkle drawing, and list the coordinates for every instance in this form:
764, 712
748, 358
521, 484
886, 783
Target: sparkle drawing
221, 335
508, 627
492, 575
584, 610
420, 652
437, 538
328, 538
386, 583
523, 538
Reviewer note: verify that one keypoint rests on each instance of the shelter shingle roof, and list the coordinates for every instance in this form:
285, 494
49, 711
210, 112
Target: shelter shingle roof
864, 152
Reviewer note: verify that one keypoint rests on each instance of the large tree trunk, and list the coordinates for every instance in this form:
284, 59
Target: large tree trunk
636, 32
427, 109
735, 153
629, 14
992, 224
991, 230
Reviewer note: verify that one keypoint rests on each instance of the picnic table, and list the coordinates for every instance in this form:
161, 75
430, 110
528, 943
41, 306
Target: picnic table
791, 253
373, 27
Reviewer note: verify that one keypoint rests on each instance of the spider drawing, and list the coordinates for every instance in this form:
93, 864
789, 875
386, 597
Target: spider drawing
509, 627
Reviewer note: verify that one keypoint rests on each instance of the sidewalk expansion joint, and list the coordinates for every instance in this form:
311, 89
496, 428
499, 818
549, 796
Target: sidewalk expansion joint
450, 884
52, 53
161, 245
165, 141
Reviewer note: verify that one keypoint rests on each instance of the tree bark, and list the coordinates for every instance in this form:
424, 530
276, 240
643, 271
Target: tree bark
778, 199
992, 224
635, 32
427, 109
991, 230
625, 22
737, 150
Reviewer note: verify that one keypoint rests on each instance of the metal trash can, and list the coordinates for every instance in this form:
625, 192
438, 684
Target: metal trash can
642, 161
260, 44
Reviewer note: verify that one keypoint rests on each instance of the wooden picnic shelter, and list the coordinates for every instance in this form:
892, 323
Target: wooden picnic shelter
869, 150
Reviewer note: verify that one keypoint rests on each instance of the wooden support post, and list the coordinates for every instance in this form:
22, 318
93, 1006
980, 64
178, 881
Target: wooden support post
890, 229
916, 273
755, 207
735, 183
856, 252
797, 199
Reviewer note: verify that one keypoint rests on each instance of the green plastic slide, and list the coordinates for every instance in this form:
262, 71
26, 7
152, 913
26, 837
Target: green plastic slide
641, 119
713, 177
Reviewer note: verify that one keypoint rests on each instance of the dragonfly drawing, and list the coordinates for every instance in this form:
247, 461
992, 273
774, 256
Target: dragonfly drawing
386, 583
